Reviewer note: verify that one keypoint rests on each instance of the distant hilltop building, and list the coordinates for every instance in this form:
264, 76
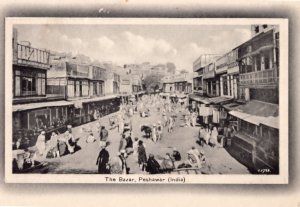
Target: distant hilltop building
147, 68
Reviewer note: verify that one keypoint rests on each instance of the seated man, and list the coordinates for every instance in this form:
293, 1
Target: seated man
153, 166
29, 159
176, 155
167, 164
194, 158
90, 138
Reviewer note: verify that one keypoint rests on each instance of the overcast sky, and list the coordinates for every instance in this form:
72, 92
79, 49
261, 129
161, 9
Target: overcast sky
126, 44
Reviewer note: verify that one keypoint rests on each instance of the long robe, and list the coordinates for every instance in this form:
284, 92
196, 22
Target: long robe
118, 165
102, 161
41, 144
153, 166
142, 157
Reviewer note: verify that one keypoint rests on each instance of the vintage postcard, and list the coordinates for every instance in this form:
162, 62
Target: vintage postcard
137, 100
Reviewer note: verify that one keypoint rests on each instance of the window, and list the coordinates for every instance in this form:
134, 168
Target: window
225, 86
29, 83
77, 89
256, 29
214, 86
267, 62
71, 88
265, 26
246, 65
258, 63
249, 48
95, 88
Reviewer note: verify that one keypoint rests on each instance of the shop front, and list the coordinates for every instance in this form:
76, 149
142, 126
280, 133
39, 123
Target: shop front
257, 135
87, 110
30, 119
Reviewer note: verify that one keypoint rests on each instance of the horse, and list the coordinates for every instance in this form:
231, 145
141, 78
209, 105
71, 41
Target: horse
147, 130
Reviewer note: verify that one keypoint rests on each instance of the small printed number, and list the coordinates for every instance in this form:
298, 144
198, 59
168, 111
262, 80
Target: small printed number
266, 170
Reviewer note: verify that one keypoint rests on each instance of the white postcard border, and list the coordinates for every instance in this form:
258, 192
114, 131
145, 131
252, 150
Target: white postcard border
282, 178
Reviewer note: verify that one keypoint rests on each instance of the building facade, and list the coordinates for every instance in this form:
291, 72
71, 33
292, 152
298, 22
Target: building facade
227, 73
198, 86
258, 63
244, 82
97, 76
258, 119
178, 84
210, 80
33, 110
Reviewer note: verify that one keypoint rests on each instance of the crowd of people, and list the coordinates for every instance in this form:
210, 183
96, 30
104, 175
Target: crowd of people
133, 146
25, 156
130, 145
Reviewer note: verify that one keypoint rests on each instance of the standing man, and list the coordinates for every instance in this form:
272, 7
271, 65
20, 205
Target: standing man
142, 157
102, 160
159, 130
41, 143
170, 128
103, 135
123, 156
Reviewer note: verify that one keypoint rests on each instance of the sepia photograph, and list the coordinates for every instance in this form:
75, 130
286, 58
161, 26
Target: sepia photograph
146, 100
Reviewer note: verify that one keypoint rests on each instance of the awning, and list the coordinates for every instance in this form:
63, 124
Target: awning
239, 114
79, 103
257, 112
231, 106
256, 120
24, 107
102, 98
260, 108
201, 99
219, 99
271, 122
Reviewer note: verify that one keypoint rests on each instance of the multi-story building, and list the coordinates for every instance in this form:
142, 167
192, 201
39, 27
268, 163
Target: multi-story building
33, 110
258, 62
232, 76
136, 83
257, 119
204, 67
97, 76
227, 72
178, 84
72, 76
259, 28
209, 77
82, 84
168, 84
198, 68
244, 82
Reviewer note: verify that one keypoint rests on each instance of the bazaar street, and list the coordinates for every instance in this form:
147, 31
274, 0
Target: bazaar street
219, 161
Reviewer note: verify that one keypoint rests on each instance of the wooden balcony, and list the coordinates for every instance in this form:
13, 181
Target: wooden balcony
28, 56
266, 77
